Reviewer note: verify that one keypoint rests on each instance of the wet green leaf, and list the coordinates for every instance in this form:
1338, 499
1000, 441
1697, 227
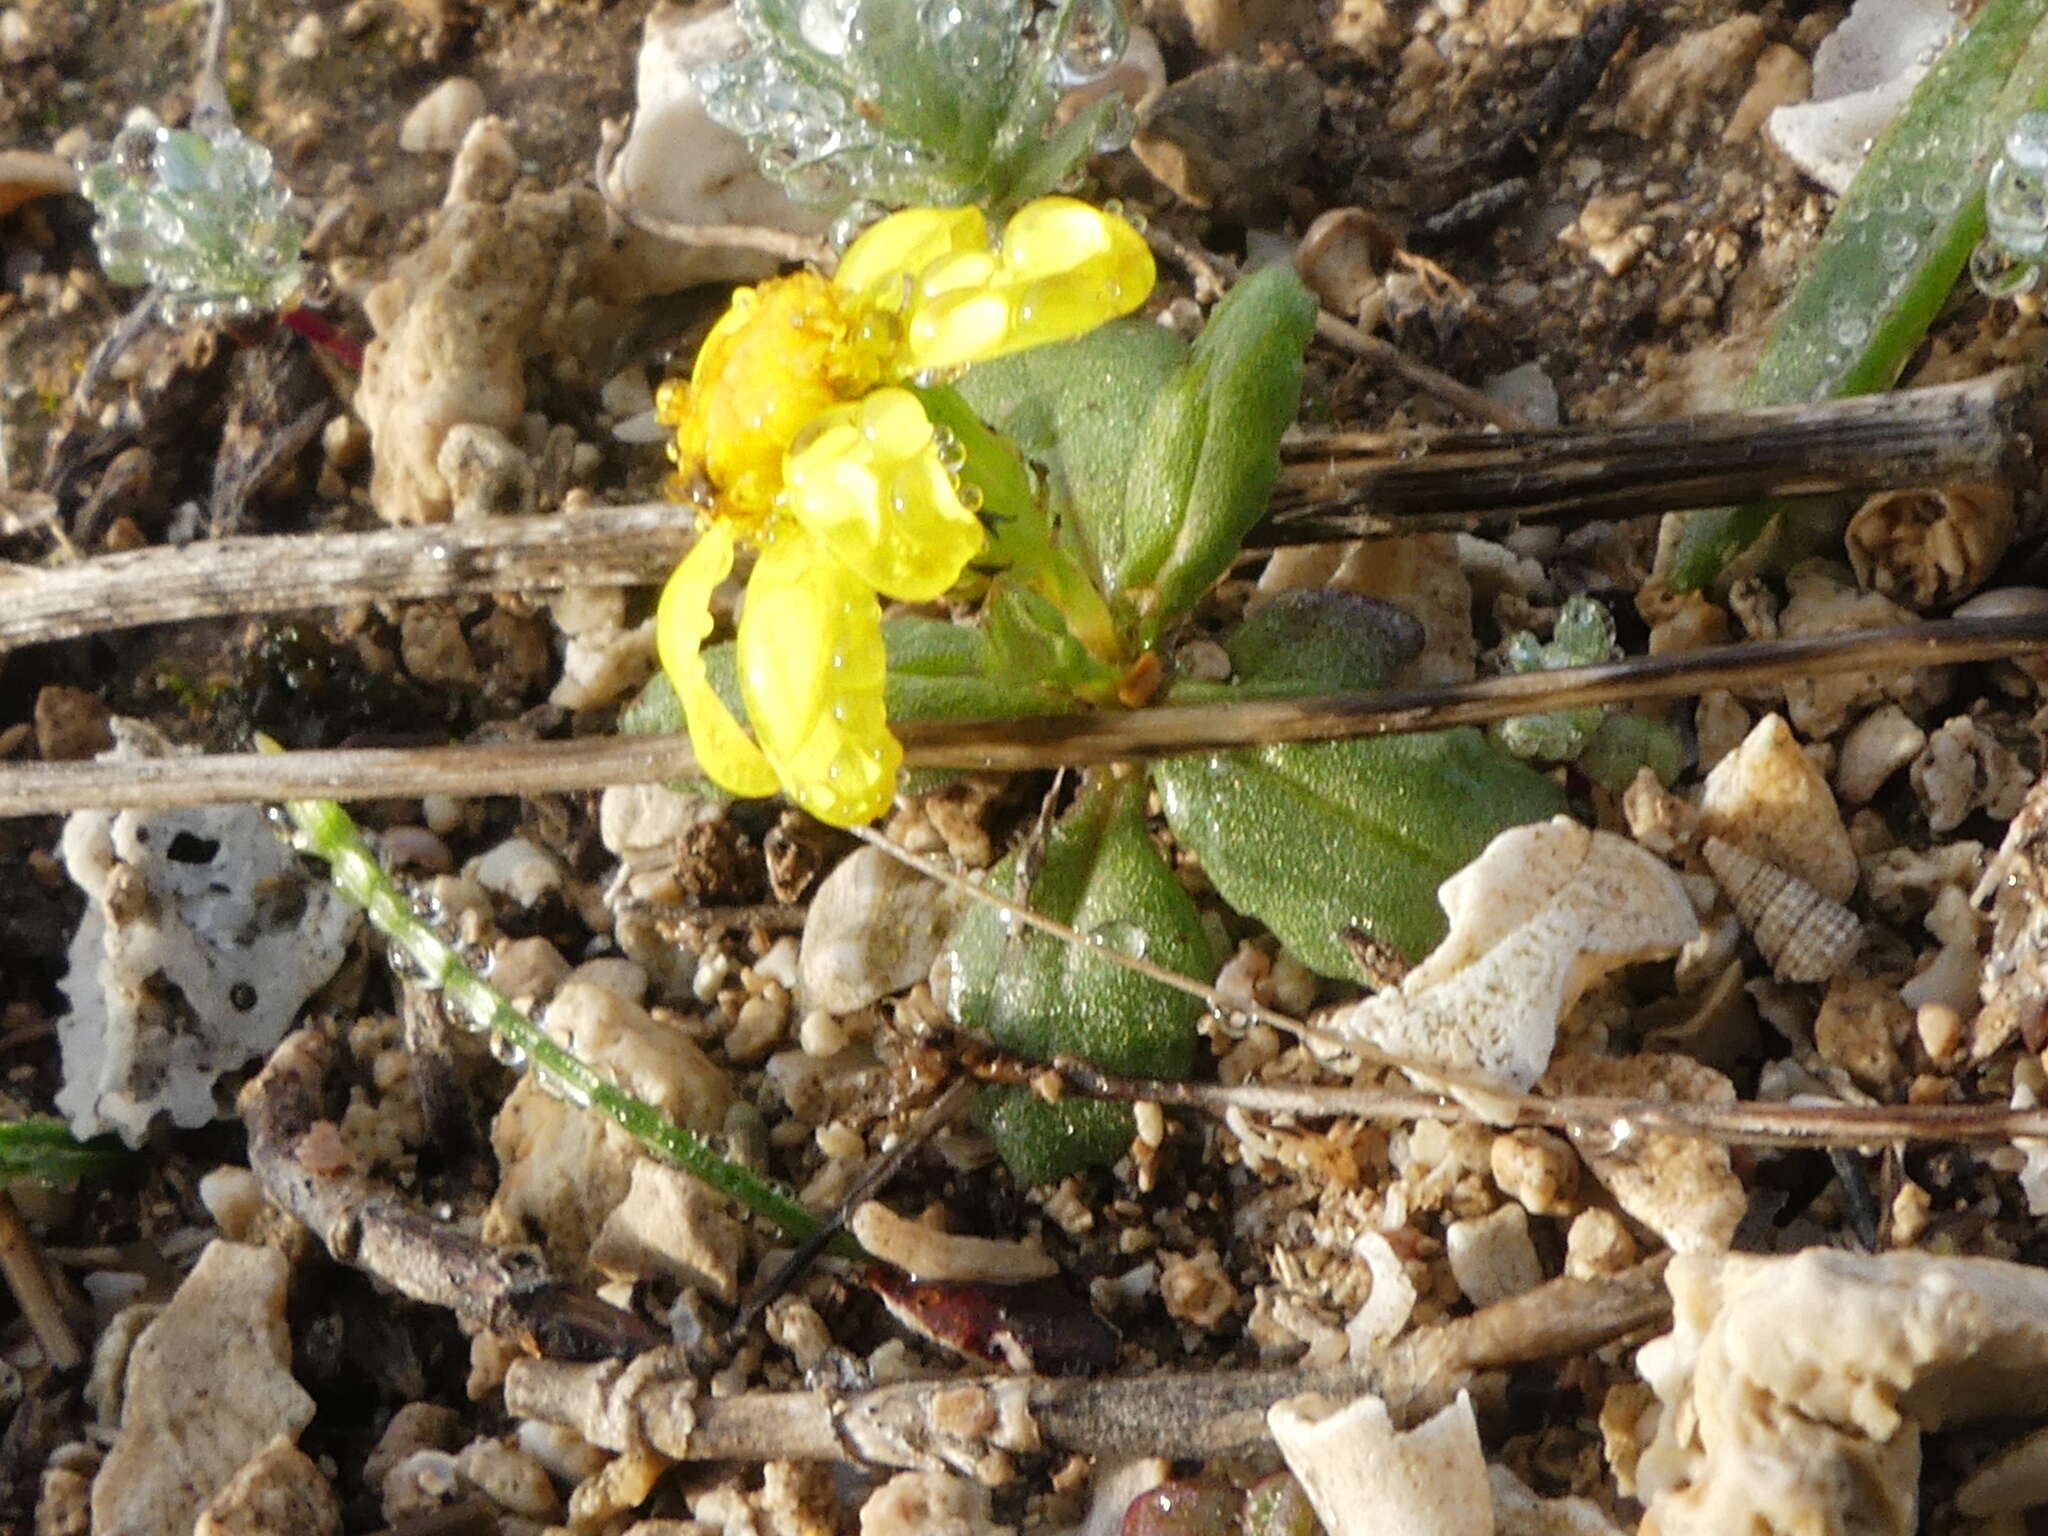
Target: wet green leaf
1312, 839
45, 1149
1210, 452
1892, 251
1039, 996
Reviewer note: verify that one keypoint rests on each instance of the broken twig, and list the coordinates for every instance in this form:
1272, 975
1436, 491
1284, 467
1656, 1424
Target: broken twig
1017, 744
975, 1424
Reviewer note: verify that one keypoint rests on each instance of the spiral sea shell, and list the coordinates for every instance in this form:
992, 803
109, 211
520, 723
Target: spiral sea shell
1805, 936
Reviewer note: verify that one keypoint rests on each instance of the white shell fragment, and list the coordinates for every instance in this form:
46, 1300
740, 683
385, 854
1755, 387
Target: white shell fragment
1800, 932
1366, 1478
1795, 1390
678, 165
202, 938
1862, 74
1539, 916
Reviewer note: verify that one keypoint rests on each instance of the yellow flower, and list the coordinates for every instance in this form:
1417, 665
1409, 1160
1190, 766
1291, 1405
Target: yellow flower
791, 437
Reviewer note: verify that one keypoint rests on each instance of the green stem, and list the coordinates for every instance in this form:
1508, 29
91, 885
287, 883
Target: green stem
324, 828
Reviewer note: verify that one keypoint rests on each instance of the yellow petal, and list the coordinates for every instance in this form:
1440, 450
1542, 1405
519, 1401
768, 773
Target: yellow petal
1065, 268
877, 269
812, 670
866, 481
682, 621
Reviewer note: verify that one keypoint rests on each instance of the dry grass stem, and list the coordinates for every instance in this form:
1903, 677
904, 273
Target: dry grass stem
374, 1228
1044, 741
1366, 485
974, 1424
21, 1262
595, 547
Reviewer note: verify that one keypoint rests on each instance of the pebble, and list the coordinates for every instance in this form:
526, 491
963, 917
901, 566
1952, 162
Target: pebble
671, 1226
519, 870
278, 1492
1492, 1257
209, 1385
233, 1197
439, 119
1233, 137
820, 1034
874, 928
308, 40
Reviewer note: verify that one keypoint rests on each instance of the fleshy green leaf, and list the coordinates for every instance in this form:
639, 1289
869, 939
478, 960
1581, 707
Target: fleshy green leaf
1320, 640
1210, 451
1893, 250
1042, 1143
1036, 995
45, 1149
944, 671
1312, 839
1079, 409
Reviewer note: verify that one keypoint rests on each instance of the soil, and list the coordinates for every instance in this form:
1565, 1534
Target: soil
1636, 269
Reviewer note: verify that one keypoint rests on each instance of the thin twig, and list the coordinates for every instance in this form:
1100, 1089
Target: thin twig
778, 243
1408, 483
210, 104
1020, 743
1365, 485
1431, 381
593, 547
1746, 1123
975, 1424
22, 1265
937, 1115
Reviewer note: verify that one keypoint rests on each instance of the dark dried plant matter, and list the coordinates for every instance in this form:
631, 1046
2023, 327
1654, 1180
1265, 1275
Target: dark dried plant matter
189, 517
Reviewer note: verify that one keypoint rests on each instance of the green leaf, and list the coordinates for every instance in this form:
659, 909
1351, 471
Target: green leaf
1893, 250
1042, 997
1209, 452
1028, 637
944, 671
41, 1148
1042, 1143
1320, 640
1078, 409
1313, 839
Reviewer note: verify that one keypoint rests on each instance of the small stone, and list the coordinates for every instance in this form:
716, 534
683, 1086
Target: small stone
433, 647
71, 724
1859, 1028
209, 1385
1680, 1187
1597, 1244
874, 928
1233, 137
757, 1030
1940, 1028
233, 1197
518, 870
414, 1427
1491, 1257
511, 1479
1539, 1169
927, 1504
439, 119
1782, 76
1196, 1290
487, 474
307, 40
1767, 799
1964, 768
1876, 747
278, 1492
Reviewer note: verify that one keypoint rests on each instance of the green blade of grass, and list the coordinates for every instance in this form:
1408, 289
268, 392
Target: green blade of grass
324, 828
46, 1149
1899, 238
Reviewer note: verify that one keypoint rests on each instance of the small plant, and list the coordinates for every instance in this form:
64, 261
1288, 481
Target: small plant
198, 212
869, 104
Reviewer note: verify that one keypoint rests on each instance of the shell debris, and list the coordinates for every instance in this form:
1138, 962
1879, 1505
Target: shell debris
1803, 935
